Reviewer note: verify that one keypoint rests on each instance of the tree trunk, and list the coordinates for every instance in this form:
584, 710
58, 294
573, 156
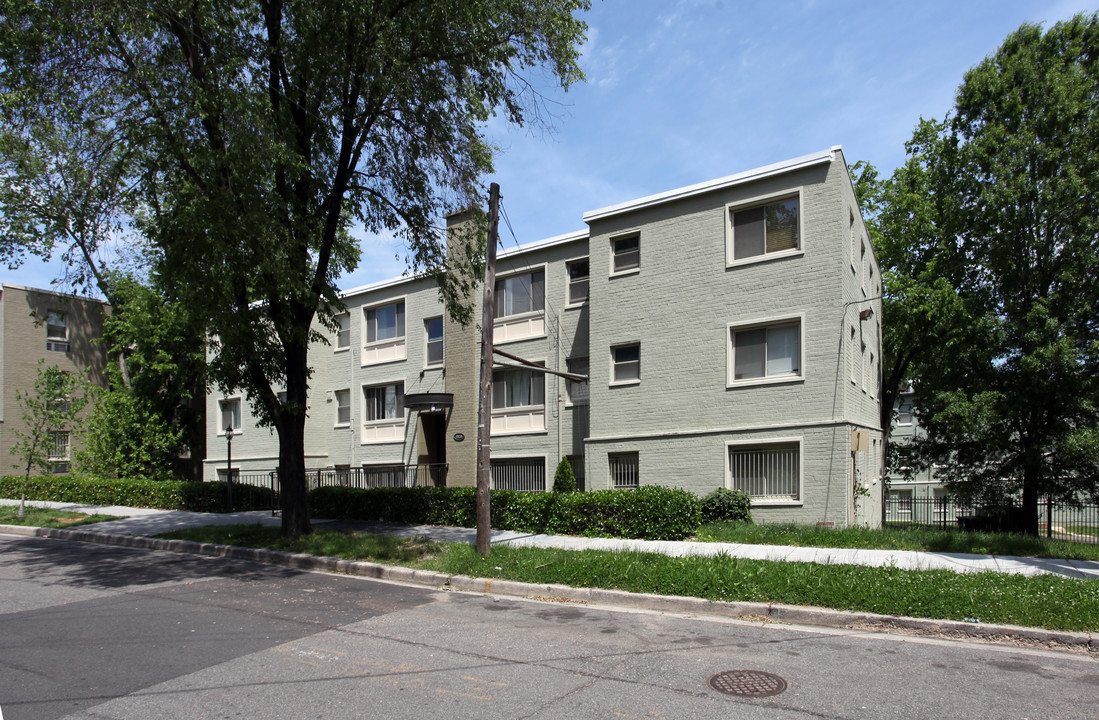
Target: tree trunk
1031, 477
291, 427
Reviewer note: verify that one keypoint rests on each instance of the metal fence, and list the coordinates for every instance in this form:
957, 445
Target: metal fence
1078, 522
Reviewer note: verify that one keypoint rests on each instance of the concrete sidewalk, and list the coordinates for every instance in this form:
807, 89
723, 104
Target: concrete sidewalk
144, 522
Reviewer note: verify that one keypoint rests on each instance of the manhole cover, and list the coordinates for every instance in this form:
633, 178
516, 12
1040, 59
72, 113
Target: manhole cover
747, 683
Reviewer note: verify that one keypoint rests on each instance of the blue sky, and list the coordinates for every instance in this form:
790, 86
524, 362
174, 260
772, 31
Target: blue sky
682, 92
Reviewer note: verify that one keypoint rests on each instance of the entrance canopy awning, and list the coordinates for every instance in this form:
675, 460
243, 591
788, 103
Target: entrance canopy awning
429, 401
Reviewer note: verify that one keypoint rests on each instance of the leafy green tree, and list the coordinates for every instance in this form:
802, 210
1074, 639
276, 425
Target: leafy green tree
50, 413
260, 132
125, 439
995, 224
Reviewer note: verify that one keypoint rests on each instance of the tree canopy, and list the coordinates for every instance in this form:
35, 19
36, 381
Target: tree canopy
259, 132
990, 237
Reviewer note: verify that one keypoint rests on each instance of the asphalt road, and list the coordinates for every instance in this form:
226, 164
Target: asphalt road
93, 631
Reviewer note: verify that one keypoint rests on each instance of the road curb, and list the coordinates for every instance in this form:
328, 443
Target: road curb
773, 612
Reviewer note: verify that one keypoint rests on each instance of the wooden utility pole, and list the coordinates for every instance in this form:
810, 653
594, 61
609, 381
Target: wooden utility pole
484, 397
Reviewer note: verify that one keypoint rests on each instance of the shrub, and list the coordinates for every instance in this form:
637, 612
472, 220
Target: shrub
138, 492
724, 504
651, 512
564, 479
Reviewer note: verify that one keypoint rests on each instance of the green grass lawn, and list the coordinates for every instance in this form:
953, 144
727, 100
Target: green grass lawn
902, 538
45, 517
1083, 530
1044, 601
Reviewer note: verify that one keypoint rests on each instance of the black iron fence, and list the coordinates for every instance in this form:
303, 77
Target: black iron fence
1077, 522
391, 476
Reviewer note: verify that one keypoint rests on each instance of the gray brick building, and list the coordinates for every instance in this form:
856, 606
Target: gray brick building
730, 331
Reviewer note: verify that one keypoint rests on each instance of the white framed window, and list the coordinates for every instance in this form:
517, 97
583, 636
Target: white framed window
769, 473
384, 333
343, 331
905, 411
433, 330
626, 364
626, 254
901, 501
853, 356
524, 474
520, 302
519, 294
764, 352
343, 407
578, 281
577, 392
760, 229
518, 400
625, 470
57, 331
57, 452
230, 414
383, 413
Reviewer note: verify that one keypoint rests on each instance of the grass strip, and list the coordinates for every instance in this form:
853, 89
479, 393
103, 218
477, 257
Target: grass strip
898, 538
45, 517
1046, 601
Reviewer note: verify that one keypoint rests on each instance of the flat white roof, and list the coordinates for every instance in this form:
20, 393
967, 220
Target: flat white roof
798, 163
528, 247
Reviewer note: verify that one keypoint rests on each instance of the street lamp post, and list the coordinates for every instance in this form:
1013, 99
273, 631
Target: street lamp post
229, 462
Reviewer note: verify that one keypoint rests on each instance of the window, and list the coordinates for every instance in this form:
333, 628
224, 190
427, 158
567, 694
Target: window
57, 452
343, 333
384, 402
624, 468
517, 387
765, 352
230, 415
383, 413
343, 407
768, 473
434, 330
384, 334
577, 391
521, 294
385, 323
626, 360
518, 401
578, 281
904, 411
765, 229
901, 503
626, 254
527, 474
57, 332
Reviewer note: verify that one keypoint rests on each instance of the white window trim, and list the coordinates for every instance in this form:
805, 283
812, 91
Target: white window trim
762, 442
535, 412
756, 201
336, 402
339, 349
568, 284
530, 318
610, 358
755, 324
568, 397
610, 250
237, 431
397, 422
427, 343
399, 344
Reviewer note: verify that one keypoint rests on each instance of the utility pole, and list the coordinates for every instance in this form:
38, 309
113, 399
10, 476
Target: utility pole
484, 397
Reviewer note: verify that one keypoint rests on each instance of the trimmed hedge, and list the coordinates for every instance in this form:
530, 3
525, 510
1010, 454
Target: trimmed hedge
161, 494
649, 513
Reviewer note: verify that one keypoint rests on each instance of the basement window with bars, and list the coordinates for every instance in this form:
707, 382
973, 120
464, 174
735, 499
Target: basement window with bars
769, 473
525, 474
625, 470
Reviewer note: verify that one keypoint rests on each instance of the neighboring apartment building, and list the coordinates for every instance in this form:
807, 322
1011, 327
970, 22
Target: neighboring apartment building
729, 330
60, 329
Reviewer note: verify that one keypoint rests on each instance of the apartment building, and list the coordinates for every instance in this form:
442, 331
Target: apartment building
729, 330
62, 330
